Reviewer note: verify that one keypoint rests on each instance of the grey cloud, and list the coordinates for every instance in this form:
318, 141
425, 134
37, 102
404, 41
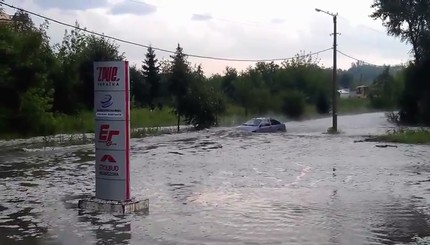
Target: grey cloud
201, 17
277, 20
133, 7
71, 4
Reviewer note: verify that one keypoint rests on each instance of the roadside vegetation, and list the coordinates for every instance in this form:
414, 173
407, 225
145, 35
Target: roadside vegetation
410, 93
45, 89
406, 136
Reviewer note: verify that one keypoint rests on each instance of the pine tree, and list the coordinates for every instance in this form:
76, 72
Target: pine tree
151, 73
179, 82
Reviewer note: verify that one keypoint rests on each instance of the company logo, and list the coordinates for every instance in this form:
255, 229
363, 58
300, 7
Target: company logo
107, 76
108, 158
104, 109
106, 135
107, 101
108, 169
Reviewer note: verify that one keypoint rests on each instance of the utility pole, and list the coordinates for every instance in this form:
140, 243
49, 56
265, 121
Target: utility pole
334, 84
334, 127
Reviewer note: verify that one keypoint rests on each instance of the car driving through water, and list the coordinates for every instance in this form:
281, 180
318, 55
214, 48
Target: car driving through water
263, 125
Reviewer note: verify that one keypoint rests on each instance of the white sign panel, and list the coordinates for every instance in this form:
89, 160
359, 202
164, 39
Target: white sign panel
112, 132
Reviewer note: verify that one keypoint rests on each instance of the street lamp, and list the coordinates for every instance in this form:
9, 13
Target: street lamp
334, 98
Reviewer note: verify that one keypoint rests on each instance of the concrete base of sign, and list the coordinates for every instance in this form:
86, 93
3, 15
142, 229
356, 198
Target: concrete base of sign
93, 204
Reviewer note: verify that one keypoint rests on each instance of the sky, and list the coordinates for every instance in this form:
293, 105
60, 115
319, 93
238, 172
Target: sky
234, 29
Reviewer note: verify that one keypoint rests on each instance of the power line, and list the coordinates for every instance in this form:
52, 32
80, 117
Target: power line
351, 57
155, 48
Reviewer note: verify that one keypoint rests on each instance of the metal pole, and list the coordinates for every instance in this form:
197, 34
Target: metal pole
334, 106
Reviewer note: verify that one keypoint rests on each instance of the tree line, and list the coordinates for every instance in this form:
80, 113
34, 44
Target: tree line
40, 82
410, 21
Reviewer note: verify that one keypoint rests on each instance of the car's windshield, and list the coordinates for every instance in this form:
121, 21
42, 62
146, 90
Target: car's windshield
253, 122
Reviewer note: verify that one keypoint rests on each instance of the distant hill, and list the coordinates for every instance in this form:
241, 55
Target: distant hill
363, 74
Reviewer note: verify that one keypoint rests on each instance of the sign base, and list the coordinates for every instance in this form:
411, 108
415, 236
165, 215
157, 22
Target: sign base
93, 204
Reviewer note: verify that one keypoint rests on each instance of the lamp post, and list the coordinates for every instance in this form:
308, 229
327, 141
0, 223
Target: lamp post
334, 98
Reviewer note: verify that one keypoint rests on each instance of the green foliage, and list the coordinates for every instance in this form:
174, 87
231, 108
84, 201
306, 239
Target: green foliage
227, 83
46, 90
353, 105
415, 99
407, 136
202, 103
151, 70
179, 82
385, 91
365, 74
346, 80
293, 104
322, 103
34, 115
74, 83
140, 88
408, 20
25, 77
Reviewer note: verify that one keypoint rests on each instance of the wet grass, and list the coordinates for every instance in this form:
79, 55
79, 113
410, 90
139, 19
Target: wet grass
406, 136
353, 105
140, 118
237, 114
146, 121
84, 122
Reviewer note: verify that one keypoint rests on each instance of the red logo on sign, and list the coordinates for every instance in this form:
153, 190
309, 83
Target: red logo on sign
106, 135
108, 169
108, 158
108, 74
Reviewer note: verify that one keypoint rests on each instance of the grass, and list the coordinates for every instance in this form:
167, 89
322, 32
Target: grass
140, 118
144, 118
84, 122
406, 136
353, 105
236, 114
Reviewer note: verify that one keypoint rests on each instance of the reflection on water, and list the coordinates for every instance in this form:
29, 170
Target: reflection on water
222, 186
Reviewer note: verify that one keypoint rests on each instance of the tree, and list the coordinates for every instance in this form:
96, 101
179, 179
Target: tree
415, 99
301, 59
74, 83
96, 49
322, 103
346, 80
139, 87
67, 77
202, 103
227, 82
179, 82
410, 20
25, 77
385, 91
151, 74
407, 19
293, 104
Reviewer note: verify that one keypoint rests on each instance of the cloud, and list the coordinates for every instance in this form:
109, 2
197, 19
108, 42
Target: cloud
360, 37
201, 17
133, 7
277, 20
71, 4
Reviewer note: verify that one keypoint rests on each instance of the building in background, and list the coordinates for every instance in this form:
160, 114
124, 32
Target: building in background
5, 18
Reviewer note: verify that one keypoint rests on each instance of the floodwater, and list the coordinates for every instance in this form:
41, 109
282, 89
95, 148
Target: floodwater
221, 186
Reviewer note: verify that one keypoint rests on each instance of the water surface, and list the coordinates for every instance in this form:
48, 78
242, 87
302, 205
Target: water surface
221, 186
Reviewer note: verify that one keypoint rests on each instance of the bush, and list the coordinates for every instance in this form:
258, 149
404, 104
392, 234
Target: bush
322, 104
293, 104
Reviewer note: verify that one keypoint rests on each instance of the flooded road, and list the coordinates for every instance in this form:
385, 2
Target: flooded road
221, 186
